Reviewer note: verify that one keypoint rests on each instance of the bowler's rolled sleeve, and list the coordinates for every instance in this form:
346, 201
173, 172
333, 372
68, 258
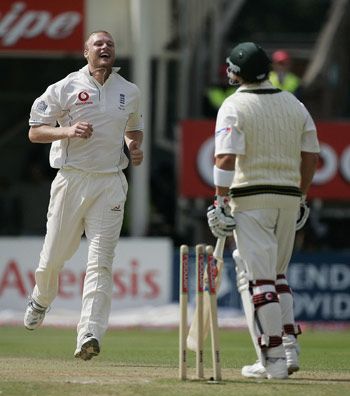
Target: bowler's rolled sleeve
46, 109
135, 121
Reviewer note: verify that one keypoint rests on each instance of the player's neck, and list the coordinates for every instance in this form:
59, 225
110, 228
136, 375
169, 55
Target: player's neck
100, 74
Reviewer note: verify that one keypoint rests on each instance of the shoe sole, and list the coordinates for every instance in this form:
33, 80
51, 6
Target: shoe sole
27, 328
88, 350
292, 369
257, 376
33, 327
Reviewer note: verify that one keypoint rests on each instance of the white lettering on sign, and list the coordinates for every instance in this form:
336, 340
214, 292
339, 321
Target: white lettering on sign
63, 25
20, 23
331, 163
204, 163
345, 164
320, 276
324, 306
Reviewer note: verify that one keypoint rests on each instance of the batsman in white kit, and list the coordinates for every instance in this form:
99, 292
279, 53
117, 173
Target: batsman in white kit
266, 153
97, 111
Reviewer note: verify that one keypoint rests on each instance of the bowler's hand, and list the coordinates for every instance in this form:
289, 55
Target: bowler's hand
136, 154
81, 129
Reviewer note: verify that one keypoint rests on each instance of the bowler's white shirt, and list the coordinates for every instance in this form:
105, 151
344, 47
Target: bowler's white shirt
112, 108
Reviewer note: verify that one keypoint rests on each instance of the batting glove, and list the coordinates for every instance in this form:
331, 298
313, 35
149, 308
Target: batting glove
303, 214
220, 221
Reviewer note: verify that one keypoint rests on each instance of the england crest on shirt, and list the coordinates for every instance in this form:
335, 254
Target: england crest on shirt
41, 106
121, 101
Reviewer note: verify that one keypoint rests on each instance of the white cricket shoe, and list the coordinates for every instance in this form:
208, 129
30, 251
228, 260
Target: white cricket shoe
256, 370
89, 348
34, 315
276, 368
292, 350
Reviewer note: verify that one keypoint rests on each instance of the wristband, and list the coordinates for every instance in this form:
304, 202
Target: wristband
222, 177
220, 200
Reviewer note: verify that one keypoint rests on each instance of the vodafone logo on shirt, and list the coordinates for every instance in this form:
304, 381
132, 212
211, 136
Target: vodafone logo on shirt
83, 98
40, 25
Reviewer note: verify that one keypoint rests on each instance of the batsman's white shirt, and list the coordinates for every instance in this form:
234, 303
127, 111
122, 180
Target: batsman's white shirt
89, 191
112, 109
267, 132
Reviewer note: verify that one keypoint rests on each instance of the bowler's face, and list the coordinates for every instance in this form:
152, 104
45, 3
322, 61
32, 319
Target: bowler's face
100, 51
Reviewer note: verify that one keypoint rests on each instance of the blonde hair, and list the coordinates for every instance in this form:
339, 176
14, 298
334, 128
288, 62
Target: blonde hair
96, 32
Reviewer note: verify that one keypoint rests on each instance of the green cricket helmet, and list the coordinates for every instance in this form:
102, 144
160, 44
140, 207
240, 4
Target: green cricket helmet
249, 61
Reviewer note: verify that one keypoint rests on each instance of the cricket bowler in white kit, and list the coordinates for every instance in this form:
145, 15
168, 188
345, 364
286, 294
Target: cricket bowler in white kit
97, 110
266, 153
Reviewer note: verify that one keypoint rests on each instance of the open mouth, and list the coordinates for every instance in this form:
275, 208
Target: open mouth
105, 55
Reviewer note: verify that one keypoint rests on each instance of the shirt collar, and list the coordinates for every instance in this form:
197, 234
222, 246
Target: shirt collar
85, 70
263, 85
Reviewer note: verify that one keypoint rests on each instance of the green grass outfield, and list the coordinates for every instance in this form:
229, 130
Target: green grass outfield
145, 362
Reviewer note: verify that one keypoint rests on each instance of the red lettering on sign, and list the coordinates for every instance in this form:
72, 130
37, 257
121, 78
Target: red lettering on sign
154, 287
129, 282
134, 278
119, 284
12, 279
135, 284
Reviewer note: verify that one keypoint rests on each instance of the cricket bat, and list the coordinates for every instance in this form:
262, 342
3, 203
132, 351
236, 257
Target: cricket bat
192, 334
213, 305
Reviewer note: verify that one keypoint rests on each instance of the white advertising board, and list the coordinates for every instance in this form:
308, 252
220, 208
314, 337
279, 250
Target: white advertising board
142, 273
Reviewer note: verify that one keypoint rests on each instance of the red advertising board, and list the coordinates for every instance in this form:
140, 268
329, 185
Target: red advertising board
41, 26
331, 181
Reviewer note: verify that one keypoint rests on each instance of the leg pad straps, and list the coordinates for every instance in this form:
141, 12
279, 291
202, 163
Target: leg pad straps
264, 292
264, 298
283, 289
292, 329
269, 341
282, 285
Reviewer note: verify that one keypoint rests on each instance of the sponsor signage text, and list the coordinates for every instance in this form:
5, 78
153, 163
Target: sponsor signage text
40, 25
331, 181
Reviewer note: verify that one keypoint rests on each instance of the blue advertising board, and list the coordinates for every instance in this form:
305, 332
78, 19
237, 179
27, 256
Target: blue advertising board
320, 284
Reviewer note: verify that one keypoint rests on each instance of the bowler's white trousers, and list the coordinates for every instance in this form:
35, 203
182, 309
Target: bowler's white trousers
83, 202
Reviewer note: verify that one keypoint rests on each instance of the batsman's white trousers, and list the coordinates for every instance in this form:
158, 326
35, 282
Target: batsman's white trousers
265, 240
83, 202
